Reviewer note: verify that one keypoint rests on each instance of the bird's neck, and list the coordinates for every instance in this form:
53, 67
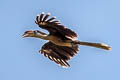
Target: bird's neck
45, 37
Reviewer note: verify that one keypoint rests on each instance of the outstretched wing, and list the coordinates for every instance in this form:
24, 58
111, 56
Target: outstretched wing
59, 54
54, 27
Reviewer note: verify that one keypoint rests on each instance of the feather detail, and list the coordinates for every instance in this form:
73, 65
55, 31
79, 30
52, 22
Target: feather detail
54, 26
41, 16
51, 19
46, 17
58, 54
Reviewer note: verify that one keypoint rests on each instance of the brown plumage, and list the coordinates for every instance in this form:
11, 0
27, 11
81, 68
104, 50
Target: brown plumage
62, 44
54, 27
59, 54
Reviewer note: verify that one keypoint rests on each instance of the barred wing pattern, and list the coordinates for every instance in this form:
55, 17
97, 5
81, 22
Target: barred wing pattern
54, 27
59, 54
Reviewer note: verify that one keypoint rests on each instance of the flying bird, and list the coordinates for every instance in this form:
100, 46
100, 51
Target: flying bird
62, 43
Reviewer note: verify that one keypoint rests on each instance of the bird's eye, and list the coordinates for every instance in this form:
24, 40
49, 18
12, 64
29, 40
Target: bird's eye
35, 32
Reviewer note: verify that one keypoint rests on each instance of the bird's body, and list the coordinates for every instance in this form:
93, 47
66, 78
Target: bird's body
62, 43
58, 41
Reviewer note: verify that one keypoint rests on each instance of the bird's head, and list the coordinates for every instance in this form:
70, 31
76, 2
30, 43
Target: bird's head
33, 33
29, 33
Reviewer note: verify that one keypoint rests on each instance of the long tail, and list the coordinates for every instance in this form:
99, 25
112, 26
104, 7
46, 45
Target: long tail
97, 45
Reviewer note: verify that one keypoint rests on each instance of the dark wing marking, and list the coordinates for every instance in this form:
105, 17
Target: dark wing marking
59, 54
54, 26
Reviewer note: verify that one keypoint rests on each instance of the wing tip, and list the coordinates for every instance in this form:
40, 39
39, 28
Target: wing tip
42, 12
54, 17
38, 15
66, 67
48, 13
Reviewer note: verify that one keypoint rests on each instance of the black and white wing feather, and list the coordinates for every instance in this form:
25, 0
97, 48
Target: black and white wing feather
59, 54
54, 27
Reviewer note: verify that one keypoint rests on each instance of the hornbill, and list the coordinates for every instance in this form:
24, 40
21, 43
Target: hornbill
62, 43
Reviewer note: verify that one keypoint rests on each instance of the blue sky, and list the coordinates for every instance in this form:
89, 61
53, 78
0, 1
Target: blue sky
93, 20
